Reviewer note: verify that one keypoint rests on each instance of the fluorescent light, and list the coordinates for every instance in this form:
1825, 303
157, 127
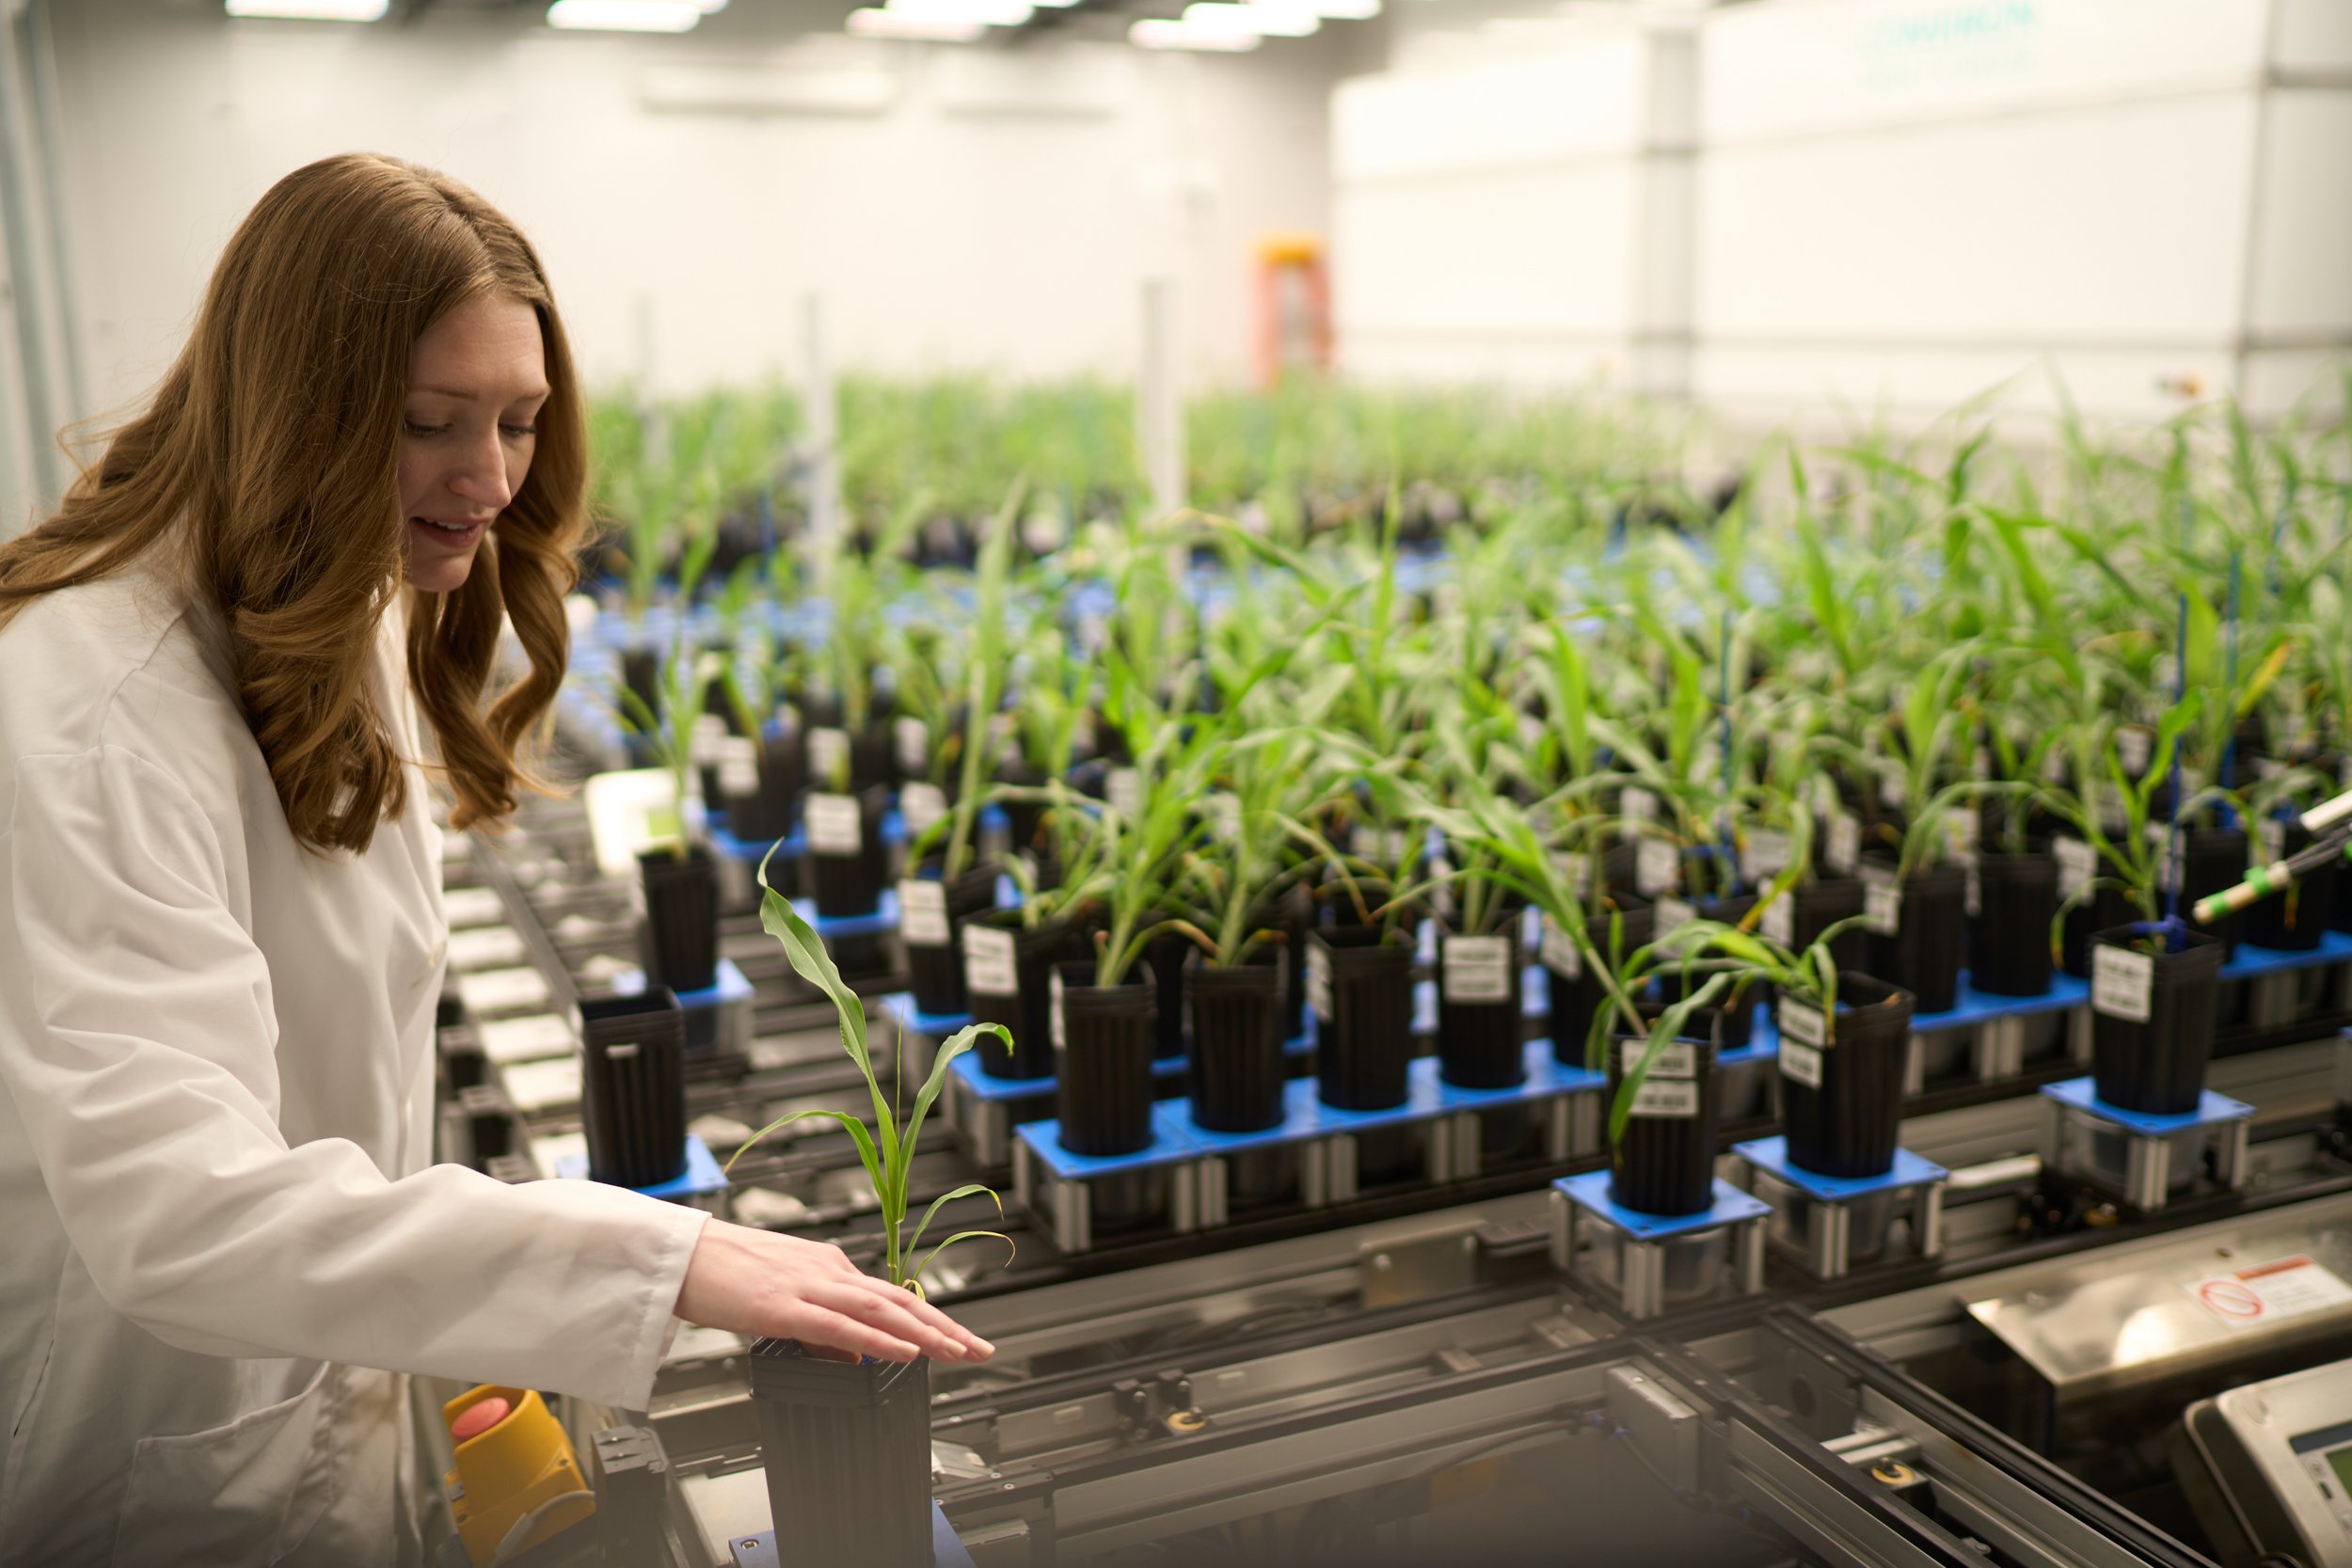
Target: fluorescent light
870, 22
625, 16
1160, 33
1346, 10
992, 13
310, 10
1261, 17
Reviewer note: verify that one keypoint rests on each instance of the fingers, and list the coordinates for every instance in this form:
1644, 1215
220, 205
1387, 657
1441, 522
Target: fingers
974, 1348
890, 1310
827, 1331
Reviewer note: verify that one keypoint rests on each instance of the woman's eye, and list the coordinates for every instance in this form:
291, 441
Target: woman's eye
519, 430
416, 427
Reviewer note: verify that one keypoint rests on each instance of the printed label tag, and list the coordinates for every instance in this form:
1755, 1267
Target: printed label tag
1678, 1060
2122, 982
1053, 996
1560, 953
988, 966
702, 742
832, 824
1764, 856
1319, 981
2268, 1292
1961, 830
1675, 1100
1123, 788
2133, 747
1672, 914
1575, 870
1638, 805
1801, 1064
1477, 969
920, 805
1223, 811
2077, 864
828, 754
913, 739
1657, 867
923, 912
1845, 842
1894, 792
1802, 1022
1779, 921
737, 759
1881, 900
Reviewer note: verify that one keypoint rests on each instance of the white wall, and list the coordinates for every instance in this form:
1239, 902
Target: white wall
989, 208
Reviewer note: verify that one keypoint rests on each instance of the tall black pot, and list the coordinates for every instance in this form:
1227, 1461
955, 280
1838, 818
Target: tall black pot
1480, 1009
848, 1445
931, 913
2009, 942
848, 863
2151, 1016
1841, 1091
1361, 990
681, 939
1664, 1161
1102, 1061
633, 1086
1008, 979
765, 814
1237, 1067
1577, 993
1924, 952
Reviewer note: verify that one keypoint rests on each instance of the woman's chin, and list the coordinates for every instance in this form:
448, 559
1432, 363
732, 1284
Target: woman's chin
445, 576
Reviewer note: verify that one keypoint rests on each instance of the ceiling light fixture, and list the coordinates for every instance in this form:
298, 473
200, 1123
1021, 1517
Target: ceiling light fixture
989, 14
625, 16
1346, 10
1159, 31
1264, 17
309, 10
872, 22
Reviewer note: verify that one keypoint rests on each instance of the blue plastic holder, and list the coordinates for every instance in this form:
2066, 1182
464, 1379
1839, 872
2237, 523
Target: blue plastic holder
2147, 1159
1057, 1186
2270, 975
1818, 1219
1996, 1027
701, 1185
843, 926
718, 1017
1650, 1261
760, 1551
752, 851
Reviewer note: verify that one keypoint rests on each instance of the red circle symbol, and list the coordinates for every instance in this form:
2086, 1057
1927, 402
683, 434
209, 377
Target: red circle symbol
2230, 1298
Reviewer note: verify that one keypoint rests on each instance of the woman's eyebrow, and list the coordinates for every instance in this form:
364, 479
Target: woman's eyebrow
469, 395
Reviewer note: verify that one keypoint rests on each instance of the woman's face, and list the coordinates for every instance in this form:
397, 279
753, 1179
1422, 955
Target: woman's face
475, 386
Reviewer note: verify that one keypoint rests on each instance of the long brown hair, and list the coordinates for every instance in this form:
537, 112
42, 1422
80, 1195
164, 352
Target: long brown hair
267, 464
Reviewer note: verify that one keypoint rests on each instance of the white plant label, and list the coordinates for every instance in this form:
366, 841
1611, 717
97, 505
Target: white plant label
2274, 838
913, 739
1961, 830
1779, 921
923, 912
2122, 982
1319, 982
1657, 867
738, 766
1802, 1022
1477, 969
1122, 787
2133, 747
920, 805
1560, 953
833, 825
1223, 809
701, 743
1672, 914
1054, 997
1893, 791
2077, 864
2263, 1294
1673, 1100
828, 754
1801, 1064
1573, 869
1638, 805
1765, 855
988, 966
1845, 842
1881, 900
1676, 1061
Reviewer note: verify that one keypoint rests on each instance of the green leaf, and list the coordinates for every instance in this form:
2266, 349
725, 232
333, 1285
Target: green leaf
970, 1189
914, 1276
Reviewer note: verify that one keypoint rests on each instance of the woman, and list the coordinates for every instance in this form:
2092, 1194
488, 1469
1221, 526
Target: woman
220, 929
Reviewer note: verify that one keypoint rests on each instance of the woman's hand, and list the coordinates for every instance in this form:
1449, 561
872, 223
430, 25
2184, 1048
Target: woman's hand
752, 1281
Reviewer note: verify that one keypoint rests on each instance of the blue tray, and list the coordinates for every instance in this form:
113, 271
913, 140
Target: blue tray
2334, 947
1771, 1154
702, 1173
729, 987
1305, 1117
760, 1551
1974, 1006
1590, 1193
1172, 1144
2213, 1109
751, 852
884, 920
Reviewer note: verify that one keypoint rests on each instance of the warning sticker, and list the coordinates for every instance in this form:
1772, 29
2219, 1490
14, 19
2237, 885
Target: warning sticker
2268, 1292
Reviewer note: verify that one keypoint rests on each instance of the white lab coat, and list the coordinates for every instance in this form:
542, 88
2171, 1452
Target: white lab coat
216, 1207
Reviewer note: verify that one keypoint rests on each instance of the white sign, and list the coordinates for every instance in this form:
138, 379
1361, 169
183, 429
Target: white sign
1638, 805
1657, 867
1123, 788
702, 742
2077, 864
913, 741
1801, 1064
1779, 922
738, 766
2285, 1288
1319, 981
1765, 855
920, 805
988, 966
1477, 969
1053, 996
1672, 914
828, 756
1881, 900
1561, 954
2133, 747
923, 912
834, 824
1678, 1060
1845, 842
1673, 1099
2122, 982
1802, 1022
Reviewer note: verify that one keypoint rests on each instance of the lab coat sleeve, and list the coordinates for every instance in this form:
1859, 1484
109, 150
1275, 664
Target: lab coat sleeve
141, 1050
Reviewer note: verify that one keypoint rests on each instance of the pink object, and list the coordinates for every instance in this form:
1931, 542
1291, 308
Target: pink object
475, 1419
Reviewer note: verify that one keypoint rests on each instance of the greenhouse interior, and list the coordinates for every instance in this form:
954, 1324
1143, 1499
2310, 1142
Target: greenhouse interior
1053, 783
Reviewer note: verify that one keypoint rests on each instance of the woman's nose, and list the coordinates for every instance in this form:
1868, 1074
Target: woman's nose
483, 478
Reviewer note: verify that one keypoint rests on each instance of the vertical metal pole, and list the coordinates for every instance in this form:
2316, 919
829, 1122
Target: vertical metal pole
1159, 400
17, 210
824, 424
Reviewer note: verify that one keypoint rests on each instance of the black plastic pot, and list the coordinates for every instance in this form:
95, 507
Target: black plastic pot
1008, 979
1102, 1061
2294, 921
846, 874
1292, 913
1480, 1010
1664, 1164
2009, 942
641, 675
1362, 988
1841, 1092
2152, 1037
1577, 996
2215, 860
1237, 1067
765, 815
1818, 905
1930, 937
1025, 819
681, 937
1163, 958
848, 1445
633, 1087
2103, 909
931, 915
